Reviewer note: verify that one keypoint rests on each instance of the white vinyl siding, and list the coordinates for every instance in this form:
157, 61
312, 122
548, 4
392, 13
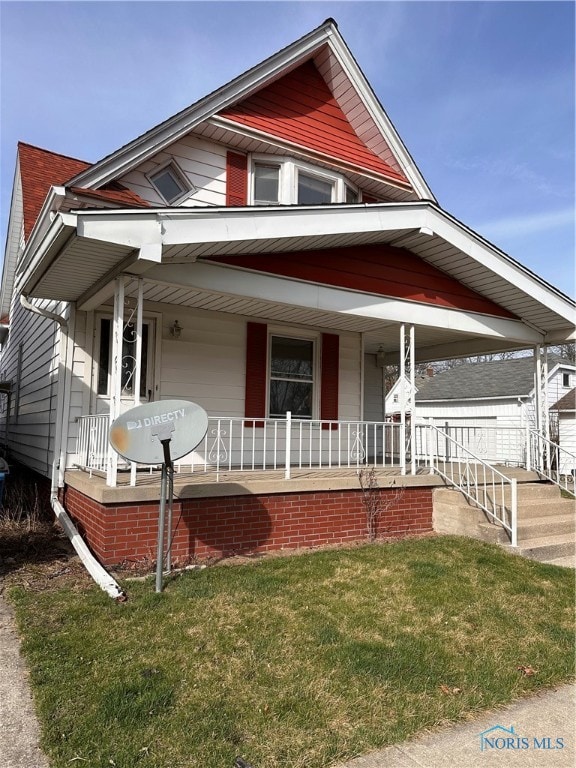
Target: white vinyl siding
78, 390
567, 437
373, 400
208, 363
14, 244
350, 382
32, 429
203, 164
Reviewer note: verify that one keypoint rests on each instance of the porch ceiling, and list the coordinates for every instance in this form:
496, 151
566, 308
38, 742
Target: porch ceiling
84, 251
431, 343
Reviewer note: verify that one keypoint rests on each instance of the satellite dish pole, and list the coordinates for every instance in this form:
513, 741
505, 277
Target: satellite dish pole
159, 433
164, 434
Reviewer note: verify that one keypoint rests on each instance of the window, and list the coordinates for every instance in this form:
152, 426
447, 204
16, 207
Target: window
285, 181
128, 358
170, 183
565, 379
351, 195
313, 191
266, 184
291, 377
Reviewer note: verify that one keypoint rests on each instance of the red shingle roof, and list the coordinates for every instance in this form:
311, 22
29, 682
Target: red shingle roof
41, 169
113, 193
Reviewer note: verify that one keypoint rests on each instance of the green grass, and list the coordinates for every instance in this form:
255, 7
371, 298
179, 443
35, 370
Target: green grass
293, 661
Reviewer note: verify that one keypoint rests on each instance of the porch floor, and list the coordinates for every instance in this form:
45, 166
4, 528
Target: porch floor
237, 483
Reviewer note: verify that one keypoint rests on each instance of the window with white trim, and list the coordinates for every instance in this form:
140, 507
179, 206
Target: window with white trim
291, 384
284, 181
170, 183
565, 379
266, 184
313, 190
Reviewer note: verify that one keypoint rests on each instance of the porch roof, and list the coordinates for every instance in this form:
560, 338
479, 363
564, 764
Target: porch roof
84, 251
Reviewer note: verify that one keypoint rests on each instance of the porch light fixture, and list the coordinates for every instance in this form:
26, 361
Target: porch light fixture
176, 329
380, 357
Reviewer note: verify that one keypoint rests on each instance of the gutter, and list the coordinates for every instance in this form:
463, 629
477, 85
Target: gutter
104, 580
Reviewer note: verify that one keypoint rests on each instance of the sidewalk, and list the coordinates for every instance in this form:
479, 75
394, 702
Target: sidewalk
18, 724
538, 723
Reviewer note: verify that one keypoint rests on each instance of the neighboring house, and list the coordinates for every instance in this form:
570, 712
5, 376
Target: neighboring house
252, 254
490, 404
498, 392
565, 409
399, 397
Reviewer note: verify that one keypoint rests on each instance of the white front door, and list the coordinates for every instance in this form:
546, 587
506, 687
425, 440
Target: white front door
102, 363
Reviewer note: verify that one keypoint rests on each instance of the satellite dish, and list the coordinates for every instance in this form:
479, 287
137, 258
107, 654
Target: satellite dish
137, 434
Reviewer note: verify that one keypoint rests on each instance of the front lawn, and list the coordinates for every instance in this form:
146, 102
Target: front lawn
297, 661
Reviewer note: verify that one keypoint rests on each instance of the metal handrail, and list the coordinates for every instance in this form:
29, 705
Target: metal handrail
481, 483
551, 461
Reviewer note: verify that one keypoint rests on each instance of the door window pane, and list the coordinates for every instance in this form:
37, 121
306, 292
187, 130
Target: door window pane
128, 358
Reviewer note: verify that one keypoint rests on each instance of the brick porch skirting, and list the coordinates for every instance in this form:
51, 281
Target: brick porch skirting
224, 526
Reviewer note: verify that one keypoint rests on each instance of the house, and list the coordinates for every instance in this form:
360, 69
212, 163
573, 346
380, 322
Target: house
252, 254
565, 410
487, 405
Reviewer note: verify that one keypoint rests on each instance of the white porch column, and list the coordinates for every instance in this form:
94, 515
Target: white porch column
412, 400
407, 370
541, 412
402, 400
116, 372
138, 359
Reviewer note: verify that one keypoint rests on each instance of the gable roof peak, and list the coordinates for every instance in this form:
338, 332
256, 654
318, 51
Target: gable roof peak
324, 42
25, 145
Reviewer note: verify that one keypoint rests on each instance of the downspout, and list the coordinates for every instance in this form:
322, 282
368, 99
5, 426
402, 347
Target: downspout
96, 571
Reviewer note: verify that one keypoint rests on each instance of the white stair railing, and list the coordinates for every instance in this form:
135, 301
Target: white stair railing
551, 461
92, 448
481, 483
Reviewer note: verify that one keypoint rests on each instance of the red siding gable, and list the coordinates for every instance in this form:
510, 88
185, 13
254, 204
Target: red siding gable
378, 269
300, 108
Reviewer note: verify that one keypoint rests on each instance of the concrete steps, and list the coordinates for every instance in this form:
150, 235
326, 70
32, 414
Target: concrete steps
546, 521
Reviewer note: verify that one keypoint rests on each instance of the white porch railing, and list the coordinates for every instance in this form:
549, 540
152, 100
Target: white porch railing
463, 456
480, 482
92, 447
249, 445
551, 461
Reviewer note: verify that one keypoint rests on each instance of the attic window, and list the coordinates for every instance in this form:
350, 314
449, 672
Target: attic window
266, 184
351, 195
170, 183
565, 379
313, 190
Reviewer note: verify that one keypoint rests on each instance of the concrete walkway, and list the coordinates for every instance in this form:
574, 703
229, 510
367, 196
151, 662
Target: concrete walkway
541, 724
18, 724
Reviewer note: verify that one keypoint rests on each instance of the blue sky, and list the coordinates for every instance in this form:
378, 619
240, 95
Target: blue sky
482, 93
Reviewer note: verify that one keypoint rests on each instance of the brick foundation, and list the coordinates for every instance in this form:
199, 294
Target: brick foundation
230, 525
